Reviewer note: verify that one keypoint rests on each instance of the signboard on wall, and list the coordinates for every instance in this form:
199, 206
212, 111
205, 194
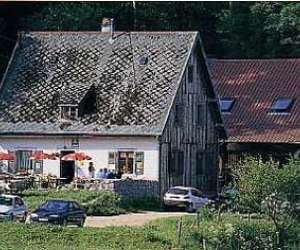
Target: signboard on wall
75, 143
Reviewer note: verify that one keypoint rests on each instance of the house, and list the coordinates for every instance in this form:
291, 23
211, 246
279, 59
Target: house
140, 103
260, 105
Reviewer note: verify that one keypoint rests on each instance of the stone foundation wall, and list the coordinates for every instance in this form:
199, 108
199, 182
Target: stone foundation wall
128, 187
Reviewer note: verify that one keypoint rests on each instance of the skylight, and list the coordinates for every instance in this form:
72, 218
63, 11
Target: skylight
282, 105
226, 104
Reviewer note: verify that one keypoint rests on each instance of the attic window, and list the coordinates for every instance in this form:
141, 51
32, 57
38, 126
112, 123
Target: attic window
68, 112
282, 105
143, 60
226, 104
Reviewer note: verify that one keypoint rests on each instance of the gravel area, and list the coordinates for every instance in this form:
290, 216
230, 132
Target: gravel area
132, 219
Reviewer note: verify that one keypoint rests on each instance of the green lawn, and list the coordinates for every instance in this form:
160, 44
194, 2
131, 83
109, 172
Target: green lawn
159, 234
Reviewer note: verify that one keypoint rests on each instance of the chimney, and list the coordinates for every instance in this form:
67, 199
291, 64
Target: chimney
107, 25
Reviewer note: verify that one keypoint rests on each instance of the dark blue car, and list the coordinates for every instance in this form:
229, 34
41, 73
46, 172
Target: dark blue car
60, 212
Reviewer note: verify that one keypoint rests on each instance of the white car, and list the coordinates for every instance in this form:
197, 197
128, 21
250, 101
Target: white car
12, 208
188, 197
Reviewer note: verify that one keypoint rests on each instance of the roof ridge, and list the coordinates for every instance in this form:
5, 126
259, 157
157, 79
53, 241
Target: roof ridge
257, 59
115, 32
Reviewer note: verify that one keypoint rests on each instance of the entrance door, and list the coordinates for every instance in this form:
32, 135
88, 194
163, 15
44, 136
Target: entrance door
125, 163
67, 168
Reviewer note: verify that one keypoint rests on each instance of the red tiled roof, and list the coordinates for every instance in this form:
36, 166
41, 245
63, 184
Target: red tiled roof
255, 84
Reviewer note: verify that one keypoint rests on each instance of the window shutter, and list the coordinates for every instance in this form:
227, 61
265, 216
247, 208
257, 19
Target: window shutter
139, 163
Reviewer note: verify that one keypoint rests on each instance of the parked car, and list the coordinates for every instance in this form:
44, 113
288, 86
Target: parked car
188, 197
60, 212
12, 208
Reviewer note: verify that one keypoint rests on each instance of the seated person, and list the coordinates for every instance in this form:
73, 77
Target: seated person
111, 174
99, 174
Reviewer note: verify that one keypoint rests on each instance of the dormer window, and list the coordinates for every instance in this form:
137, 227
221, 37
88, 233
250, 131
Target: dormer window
282, 105
226, 104
68, 112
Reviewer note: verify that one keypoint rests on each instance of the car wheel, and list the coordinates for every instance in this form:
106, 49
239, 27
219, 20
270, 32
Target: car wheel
81, 223
189, 208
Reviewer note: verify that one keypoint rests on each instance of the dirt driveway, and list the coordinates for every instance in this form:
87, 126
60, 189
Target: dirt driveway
133, 219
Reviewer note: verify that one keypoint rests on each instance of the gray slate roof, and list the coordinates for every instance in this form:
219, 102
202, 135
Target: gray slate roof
52, 68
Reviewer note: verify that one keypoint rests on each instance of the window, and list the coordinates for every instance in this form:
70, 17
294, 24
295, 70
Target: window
190, 73
23, 161
226, 104
143, 60
282, 105
19, 202
125, 163
196, 193
139, 163
111, 158
68, 112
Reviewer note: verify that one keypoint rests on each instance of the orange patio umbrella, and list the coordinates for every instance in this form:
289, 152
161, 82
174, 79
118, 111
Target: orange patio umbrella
39, 155
78, 156
6, 157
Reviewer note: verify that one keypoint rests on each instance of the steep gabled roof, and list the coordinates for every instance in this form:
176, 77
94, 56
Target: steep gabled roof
133, 95
255, 85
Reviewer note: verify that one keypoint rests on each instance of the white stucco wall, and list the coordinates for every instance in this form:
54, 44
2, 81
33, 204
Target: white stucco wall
96, 147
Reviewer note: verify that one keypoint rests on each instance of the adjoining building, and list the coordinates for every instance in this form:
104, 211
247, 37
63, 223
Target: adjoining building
140, 103
260, 105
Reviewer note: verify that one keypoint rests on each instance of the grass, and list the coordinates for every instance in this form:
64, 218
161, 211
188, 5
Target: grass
158, 235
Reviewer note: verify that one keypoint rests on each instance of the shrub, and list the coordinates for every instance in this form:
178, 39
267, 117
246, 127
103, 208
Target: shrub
94, 202
255, 180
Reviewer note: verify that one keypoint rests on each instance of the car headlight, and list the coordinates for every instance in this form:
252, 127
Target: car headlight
34, 215
54, 216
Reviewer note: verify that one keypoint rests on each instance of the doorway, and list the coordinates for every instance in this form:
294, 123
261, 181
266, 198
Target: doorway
125, 163
67, 168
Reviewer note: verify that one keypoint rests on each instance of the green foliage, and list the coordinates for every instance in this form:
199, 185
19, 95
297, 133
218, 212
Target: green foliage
255, 180
94, 202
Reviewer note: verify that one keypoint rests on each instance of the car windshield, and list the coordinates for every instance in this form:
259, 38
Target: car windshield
54, 206
178, 191
6, 201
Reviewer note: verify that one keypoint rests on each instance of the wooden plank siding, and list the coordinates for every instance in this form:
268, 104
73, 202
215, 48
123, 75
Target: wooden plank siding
190, 134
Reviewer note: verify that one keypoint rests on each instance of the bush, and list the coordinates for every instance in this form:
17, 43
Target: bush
255, 180
232, 232
94, 202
